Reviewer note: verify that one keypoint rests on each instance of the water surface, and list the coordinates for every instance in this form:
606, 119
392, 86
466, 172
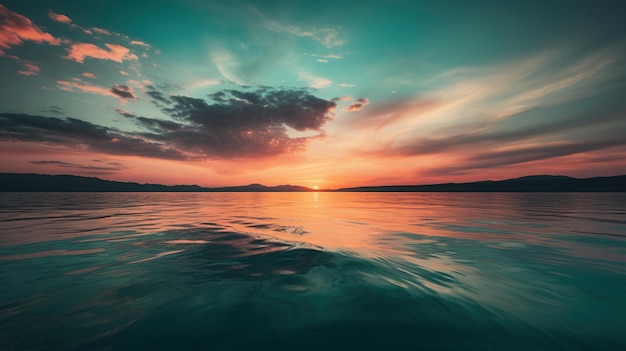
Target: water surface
309, 271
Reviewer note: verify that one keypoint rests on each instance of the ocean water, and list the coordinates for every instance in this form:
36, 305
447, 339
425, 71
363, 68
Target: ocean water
312, 271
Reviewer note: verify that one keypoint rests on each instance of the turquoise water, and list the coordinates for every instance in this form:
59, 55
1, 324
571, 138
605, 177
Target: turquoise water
311, 271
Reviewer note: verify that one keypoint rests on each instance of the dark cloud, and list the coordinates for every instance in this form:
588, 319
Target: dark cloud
73, 133
157, 96
247, 124
156, 125
235, 124
54, 110
76, 165
358, 105
123, 91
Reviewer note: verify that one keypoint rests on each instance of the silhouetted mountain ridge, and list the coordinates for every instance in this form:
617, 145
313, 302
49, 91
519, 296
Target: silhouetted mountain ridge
18, 182
533, 183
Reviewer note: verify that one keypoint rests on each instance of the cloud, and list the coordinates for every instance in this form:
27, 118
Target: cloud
16, 29
76, 134
157, 96
100, 31
314, 81
120, 91
123, 91
358, 105
90, 75
521, 155
247, 124
233, 124
498, 136
31, 69
345, 85
76, 165
320, 83
226, 63
84, 87
124, 73
153, 124
140, 43
342, 98
117, 53
202, 83
58, 17
54, 110
322, 60
326, 35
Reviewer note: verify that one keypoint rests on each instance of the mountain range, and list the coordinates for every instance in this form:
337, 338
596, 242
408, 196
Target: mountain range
19, 182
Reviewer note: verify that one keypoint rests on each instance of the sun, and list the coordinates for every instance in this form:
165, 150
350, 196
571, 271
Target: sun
315, 187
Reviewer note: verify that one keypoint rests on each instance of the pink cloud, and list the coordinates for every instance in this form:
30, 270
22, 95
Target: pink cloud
120, 91
81, 86
59, 17
16, 29
90, 75
31, 69
124, 73
117, 53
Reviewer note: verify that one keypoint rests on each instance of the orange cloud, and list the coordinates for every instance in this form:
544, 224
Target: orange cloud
90, 75
79, 51
59, 17
16, 29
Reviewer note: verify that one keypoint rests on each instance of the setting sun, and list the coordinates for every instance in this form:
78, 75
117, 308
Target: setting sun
315, 187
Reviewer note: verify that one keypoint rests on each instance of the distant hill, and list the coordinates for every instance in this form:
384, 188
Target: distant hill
17, 182
536, 183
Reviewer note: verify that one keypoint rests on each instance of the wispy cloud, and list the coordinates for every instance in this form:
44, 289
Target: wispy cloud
325, 35
508, 109
140, 43
77, 165
120, 91
226, 63
31, 69
313, 81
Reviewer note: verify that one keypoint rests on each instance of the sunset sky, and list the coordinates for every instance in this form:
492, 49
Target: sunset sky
326, 93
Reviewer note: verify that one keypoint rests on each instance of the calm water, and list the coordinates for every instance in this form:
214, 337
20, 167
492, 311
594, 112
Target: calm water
312, 271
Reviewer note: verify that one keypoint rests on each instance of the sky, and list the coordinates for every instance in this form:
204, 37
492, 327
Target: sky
314, 93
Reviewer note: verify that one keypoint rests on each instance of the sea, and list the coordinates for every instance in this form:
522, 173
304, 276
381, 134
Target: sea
312, 271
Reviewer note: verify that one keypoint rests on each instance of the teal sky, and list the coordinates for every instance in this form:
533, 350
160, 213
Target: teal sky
328, 93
